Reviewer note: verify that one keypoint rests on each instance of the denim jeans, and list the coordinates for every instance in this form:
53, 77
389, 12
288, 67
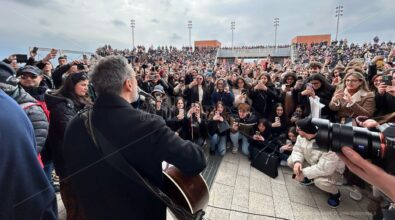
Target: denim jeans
235, 137
48, 168
218, 142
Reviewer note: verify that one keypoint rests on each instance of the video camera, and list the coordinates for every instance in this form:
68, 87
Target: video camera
378, 146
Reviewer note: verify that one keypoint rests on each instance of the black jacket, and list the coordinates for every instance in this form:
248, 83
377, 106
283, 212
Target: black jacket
263, 101
62, 111
325, 96
385, 104
191, 95
112, 195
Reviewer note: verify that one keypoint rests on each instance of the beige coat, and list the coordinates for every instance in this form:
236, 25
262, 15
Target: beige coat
322, 164
363, 105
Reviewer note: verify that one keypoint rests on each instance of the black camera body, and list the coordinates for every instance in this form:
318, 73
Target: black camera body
378, 146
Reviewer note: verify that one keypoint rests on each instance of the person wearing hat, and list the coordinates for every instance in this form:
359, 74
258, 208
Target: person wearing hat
9, 84
313, 166
161, 106
30, 78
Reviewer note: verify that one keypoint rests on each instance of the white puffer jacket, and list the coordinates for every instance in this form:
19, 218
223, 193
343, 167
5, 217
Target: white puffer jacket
321, 163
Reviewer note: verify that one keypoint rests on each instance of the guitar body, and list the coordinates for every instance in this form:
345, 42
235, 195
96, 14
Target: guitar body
190, 192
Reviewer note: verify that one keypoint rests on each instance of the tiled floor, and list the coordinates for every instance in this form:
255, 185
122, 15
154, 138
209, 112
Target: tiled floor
245, 190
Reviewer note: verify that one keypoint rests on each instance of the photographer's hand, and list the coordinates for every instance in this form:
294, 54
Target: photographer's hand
369, 172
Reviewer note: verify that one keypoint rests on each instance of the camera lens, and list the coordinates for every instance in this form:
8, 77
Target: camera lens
333, 137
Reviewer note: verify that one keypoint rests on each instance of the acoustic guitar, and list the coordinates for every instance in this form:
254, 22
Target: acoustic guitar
190, 192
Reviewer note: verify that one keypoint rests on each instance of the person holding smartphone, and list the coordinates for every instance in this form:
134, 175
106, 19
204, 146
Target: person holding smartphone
279, 123
222, 93
242, 128
385, 95
197, 124
218, 128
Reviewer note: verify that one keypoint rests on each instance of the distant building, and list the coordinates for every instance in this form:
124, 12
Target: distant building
207, 43
308, 39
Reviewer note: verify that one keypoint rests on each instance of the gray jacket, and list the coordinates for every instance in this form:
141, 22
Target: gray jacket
34, 113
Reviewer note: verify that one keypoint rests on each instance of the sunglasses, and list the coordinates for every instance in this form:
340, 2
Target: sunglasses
25, 76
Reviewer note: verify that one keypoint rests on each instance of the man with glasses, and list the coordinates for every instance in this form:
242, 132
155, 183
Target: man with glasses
30, 79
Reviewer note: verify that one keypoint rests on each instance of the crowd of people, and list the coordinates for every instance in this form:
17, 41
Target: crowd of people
228, 107
257, 47
341, 51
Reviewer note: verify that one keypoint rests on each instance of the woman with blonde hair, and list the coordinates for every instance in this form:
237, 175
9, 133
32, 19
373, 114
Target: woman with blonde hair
353, 98
222, 93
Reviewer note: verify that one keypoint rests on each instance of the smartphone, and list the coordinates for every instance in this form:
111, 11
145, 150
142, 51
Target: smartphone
257, 133
277, 119
21, 58
387, 80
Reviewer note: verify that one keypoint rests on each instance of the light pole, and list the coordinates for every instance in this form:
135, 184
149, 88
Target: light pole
132, 25
276, 24
232, 28
339, 12
190, 28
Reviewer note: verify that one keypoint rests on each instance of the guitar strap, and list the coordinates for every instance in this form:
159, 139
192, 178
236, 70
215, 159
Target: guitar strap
119, 163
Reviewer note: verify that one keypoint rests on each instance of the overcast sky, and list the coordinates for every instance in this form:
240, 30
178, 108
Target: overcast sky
88, 24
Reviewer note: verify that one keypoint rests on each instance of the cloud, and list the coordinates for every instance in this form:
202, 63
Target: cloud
88, 24
156, 21
44, 22
32, 2
175, 36
118, 23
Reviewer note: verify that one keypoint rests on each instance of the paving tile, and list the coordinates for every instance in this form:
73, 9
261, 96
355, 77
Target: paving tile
261, 204
262, 186
349, 207
279, 190
327, 212
238, 216
280, 178
227, 173
244, 167
219, 214
257, 217
303, 212
62, 215
258, 174
283, 207
242, 182
301, 194
241, 197
231, 158
347, 217
221, 195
